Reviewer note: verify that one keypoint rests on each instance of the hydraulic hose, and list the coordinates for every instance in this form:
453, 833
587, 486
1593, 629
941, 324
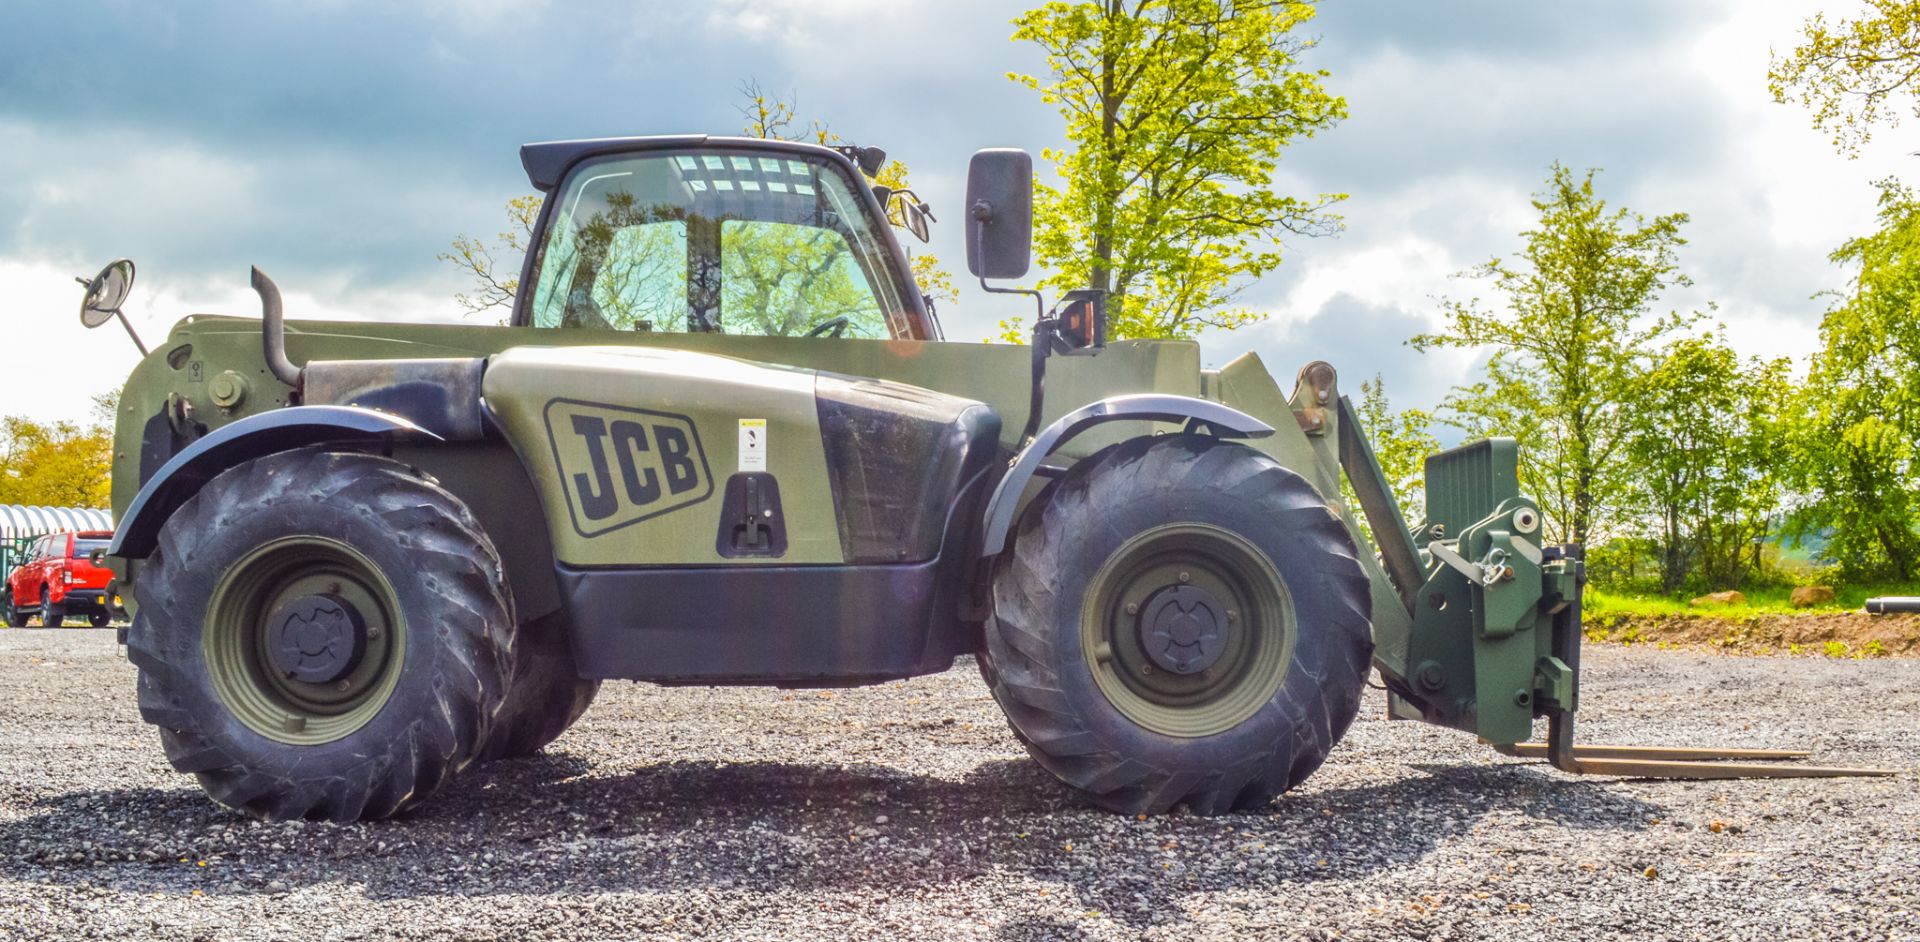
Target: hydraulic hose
1893, 605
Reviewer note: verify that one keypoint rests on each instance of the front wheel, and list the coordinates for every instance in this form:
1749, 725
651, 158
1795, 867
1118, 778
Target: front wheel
16, 618
323, 635
1180, 620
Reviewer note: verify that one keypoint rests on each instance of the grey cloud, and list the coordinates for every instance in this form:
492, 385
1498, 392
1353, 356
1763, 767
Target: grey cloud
1361, 340
1514, 30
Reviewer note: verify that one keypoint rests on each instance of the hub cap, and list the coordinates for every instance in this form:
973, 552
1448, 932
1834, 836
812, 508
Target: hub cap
321, 638
1181, 629
304, 640
1187, 629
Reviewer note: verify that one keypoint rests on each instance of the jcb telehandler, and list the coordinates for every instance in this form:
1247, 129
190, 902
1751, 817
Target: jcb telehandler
722, 442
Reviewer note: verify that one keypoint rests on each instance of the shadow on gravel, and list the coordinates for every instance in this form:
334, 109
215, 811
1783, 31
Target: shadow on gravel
549, 825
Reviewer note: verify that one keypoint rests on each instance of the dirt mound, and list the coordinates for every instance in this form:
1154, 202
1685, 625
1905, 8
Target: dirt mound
1861, 634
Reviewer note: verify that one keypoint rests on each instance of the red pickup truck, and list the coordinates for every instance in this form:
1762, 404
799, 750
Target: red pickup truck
58, 579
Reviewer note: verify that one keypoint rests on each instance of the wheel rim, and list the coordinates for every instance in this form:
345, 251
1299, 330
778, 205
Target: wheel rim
1187, 629
304, 640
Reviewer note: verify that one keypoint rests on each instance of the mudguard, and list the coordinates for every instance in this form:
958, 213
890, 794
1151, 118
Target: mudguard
279, 430
1225, 421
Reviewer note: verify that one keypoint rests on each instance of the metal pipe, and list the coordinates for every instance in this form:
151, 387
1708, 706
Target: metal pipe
273, 331
1893, 605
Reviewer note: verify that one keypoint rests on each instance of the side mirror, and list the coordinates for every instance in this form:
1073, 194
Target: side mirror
106, 293
1082, 321
916, 217
1000, 213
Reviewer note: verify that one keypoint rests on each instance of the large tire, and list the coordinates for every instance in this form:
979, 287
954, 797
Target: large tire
1188, 527
243, 556
51, 615
546, 697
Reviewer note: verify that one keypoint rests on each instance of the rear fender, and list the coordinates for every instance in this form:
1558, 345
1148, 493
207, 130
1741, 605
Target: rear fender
263, 434
1224, 421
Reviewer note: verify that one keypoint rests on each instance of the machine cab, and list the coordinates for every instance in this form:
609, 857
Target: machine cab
722, 235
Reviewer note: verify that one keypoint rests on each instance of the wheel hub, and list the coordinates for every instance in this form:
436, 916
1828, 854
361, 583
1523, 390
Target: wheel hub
1181, 629
318, 638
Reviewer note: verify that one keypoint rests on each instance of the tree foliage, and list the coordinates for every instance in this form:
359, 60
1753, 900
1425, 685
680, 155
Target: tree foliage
1854, 74
58, 464
1703, 444
1177, 113
1570, 339
1860, 412
494, 286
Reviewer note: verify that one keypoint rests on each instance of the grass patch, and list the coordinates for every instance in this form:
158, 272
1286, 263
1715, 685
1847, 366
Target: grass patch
1765, 601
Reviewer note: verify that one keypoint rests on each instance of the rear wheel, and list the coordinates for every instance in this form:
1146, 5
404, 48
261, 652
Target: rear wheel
100, 619
51, 615
546, 697
323, 635
1180, 620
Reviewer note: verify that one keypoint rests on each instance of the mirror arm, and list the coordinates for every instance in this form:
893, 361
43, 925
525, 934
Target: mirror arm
130, 332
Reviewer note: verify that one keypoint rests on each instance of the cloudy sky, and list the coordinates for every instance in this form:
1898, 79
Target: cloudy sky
340, 144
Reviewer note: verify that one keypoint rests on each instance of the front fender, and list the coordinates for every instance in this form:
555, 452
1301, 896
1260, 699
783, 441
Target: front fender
263, 434
1225, 421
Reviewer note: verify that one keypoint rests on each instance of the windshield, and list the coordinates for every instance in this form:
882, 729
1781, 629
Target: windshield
768, 243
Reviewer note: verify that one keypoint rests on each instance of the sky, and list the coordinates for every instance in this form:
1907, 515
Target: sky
341, 144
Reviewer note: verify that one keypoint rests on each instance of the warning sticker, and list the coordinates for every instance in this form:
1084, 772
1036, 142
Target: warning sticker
753, 444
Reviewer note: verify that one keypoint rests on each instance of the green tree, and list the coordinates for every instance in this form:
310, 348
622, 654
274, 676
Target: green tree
1703, 445
58, 464
1573, 335
1860, 415
493, 286
1177, 112
1854, 74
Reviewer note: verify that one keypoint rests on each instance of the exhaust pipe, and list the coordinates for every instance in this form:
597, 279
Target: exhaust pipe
273, 331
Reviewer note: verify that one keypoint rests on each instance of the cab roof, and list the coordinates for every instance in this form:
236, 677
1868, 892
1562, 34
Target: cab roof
547, 162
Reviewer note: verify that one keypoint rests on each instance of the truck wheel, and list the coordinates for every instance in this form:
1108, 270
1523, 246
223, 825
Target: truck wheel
1180, 620
100, 620
15, 617
323, 635
545, 698
51, 615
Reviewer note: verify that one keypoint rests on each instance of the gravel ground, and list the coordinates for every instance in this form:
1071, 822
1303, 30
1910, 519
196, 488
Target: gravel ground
907, 811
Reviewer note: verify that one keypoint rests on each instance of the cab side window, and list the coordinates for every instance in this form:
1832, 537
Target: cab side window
780, 279
719, 241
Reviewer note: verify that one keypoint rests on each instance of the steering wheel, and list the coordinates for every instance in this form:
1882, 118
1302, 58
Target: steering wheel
835, 327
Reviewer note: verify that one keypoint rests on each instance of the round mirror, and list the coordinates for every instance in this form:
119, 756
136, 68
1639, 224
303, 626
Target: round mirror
106, 292
916, 220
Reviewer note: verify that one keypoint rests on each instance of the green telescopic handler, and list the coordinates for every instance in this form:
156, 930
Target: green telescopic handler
721, 440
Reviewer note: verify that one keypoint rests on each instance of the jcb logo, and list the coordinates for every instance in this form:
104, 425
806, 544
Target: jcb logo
620, 466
